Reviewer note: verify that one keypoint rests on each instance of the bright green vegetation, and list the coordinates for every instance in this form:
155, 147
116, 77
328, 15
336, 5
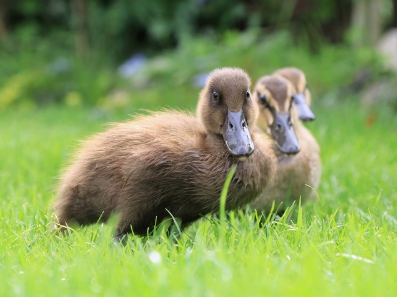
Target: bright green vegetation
345, 245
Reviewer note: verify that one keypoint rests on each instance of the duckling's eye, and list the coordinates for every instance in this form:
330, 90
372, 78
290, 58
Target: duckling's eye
248, 94
215, 95
262, 99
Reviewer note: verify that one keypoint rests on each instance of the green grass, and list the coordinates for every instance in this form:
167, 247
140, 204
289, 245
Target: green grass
345, 245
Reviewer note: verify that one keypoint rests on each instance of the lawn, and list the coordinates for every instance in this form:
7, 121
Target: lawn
345, 245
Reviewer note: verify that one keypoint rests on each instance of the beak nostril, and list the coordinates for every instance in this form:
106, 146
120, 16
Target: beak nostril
231, 125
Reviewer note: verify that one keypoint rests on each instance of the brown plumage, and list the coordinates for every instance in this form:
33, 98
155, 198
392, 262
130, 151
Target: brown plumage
294, 171
300, 91
168, 162
297, 78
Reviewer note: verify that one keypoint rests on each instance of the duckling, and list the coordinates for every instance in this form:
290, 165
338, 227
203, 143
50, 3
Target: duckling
298, 153
301, 94
171, 162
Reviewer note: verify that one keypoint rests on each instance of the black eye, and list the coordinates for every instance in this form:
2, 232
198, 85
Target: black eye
262, 99
248, 94
215, 95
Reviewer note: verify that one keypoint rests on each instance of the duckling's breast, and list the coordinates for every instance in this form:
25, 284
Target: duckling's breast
297, 176
253, 175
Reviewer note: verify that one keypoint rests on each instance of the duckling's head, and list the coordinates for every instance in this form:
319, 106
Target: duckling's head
226, 108
301, 94
274, 96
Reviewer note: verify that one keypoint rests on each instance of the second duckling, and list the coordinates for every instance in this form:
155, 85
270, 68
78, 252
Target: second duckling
298, 153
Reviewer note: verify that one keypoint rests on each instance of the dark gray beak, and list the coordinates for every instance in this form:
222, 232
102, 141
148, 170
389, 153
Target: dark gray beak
304, 112
284, 133
237, 135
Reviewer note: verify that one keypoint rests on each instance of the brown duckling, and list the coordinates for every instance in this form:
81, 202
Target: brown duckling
300, 91
297, 151
171, 162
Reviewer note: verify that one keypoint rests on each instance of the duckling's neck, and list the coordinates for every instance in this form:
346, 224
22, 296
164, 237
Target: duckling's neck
298, 126
215, 143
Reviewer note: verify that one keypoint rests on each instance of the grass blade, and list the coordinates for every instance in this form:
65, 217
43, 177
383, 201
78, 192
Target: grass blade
222, 204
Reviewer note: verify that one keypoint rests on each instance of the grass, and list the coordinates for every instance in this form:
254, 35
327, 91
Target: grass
345, 245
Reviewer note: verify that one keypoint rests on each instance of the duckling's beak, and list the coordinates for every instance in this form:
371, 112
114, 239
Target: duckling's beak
237, 135
304, 112
284, 133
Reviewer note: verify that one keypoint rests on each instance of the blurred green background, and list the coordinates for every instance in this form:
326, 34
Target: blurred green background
126, 54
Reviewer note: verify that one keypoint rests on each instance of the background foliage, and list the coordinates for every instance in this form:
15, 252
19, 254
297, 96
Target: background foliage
68, 52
